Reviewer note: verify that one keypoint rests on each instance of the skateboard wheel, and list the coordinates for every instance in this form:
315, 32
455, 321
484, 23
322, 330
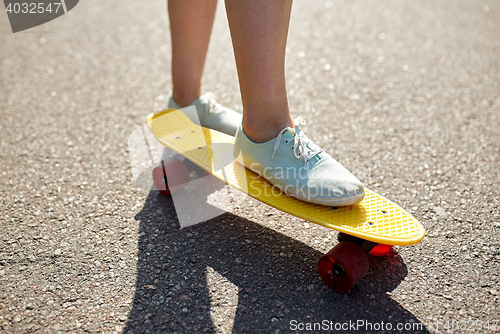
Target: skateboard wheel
380, 250
343, 266
178, 175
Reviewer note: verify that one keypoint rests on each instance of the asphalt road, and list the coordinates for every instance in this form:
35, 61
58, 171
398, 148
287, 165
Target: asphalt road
405, 94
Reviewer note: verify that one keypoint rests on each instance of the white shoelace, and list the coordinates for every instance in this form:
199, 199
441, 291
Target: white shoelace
209, 100
299, 148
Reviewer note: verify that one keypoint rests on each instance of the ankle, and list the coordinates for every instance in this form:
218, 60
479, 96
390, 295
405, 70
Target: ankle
183, 99
261, 132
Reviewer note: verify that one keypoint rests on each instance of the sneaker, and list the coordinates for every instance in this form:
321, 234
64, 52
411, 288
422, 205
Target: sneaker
212, 115
295, 165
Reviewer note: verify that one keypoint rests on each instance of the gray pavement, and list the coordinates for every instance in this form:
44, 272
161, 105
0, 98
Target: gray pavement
405, 94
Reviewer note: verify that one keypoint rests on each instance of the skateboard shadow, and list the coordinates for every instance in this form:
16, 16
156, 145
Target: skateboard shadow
193, 279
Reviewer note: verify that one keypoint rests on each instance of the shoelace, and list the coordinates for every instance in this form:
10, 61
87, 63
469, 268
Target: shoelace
300, 142
209, 100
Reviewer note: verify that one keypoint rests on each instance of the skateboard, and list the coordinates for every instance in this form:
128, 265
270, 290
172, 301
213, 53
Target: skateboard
372, 226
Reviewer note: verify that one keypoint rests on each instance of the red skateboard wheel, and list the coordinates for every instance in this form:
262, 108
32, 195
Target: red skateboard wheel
343, 266
170, 176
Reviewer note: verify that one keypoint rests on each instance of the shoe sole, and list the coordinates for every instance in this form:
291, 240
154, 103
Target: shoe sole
344, 201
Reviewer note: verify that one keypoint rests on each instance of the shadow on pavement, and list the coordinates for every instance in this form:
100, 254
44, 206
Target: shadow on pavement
200, 278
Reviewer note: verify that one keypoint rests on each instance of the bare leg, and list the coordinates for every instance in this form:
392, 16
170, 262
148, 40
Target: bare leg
259, 30
191, 24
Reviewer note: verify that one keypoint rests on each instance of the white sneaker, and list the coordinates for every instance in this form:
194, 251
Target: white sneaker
212, 115
295, 165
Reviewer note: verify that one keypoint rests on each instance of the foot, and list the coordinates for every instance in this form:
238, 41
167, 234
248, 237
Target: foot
212, 115
295, 165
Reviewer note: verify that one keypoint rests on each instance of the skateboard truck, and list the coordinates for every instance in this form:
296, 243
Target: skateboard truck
365, 245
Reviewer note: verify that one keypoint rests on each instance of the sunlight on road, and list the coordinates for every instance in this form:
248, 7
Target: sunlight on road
223, 301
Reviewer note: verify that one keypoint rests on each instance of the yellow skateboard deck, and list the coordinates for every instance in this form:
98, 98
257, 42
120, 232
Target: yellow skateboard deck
374, 219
